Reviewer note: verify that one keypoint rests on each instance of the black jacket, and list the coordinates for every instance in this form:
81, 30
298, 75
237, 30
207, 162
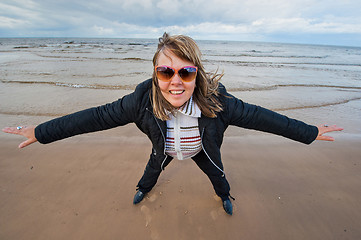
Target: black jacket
136, 107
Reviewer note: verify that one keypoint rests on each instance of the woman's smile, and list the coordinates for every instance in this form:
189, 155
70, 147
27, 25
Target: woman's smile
176, 92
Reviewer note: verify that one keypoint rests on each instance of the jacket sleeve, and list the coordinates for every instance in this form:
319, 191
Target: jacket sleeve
117, 113
258, 118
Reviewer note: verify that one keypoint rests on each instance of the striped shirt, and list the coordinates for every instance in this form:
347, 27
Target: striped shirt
183, 138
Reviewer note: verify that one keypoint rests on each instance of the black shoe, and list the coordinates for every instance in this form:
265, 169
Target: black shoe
138, 197
227, 206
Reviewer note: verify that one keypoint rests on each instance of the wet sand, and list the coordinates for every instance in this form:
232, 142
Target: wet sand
83, 187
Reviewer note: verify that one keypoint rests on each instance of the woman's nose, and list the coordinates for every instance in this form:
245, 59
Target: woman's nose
176, 79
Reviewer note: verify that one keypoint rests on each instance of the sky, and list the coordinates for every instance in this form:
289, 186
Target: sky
327, 22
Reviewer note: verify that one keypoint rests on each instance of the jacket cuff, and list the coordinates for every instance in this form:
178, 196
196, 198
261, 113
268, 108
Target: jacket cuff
313, 135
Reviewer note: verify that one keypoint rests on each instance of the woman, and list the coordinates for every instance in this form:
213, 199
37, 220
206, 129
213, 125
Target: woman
184, 111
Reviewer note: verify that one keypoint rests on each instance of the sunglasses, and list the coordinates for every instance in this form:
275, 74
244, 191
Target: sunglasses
165, 73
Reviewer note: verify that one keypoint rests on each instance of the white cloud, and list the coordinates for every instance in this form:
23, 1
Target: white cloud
227, 19
6, 22
301, 25
103, 31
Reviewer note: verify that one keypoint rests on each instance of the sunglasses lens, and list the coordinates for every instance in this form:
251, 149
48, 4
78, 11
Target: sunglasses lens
164, 73
188, 73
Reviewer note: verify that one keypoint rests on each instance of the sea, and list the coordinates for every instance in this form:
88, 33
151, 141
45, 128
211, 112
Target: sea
56, 76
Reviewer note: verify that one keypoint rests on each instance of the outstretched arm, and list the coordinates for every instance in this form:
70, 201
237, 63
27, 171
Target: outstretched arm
255, 117
28, 132
117, 113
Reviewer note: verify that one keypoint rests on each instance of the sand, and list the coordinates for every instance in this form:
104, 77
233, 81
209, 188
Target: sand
83, 187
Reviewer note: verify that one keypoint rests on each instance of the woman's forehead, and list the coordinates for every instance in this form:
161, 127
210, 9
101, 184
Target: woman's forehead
168, 57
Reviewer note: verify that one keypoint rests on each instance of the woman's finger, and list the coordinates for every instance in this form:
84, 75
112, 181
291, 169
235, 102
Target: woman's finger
330, 128
325, 138
26, 143
12, 130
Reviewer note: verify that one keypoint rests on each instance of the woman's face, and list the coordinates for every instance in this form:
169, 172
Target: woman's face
175, 91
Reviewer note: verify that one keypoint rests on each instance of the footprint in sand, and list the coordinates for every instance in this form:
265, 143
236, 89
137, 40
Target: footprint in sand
152, 197
148, 218
214, 214
218, 199
146, 211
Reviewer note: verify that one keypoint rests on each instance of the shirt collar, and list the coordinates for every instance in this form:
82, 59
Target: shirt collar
190, 108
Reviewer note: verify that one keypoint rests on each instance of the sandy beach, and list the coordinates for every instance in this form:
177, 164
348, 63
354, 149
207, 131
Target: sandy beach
83, 187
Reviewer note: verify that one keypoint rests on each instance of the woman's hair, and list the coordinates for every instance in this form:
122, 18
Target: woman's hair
206, 89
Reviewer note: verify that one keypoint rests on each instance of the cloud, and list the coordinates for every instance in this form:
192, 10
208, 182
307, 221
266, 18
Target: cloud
103, 31
213, 19
305, 26
6, 22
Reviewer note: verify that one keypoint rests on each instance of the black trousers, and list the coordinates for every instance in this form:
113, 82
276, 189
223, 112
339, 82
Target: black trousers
217, 178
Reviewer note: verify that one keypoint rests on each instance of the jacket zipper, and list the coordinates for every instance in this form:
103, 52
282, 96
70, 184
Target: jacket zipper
209, 156
177, 143
161, 166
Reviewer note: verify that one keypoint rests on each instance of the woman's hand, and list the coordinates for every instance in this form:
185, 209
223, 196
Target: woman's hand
327, 128
28, 132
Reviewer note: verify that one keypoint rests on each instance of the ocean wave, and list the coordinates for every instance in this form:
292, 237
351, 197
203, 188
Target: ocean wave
134, 59
132, 86
75, 85
273, 87
318, 105
22, 47
33, 46
82, 58
35, 114
262, 55
267, 64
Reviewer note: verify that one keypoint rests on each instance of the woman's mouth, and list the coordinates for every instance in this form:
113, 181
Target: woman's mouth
178, 92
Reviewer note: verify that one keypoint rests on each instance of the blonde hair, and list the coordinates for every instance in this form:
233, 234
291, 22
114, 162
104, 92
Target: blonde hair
206, 90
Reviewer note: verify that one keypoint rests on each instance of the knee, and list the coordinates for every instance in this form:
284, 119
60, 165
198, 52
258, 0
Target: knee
158, 164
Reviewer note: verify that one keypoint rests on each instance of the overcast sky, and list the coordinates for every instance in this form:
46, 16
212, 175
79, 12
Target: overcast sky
335, 22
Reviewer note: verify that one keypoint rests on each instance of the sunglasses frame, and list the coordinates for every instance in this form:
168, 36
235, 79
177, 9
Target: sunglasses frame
176, 71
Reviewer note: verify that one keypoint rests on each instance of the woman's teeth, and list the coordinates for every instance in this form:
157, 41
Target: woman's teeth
176, 92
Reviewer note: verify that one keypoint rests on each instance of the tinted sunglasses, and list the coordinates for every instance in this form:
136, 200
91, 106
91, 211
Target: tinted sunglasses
166, 73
